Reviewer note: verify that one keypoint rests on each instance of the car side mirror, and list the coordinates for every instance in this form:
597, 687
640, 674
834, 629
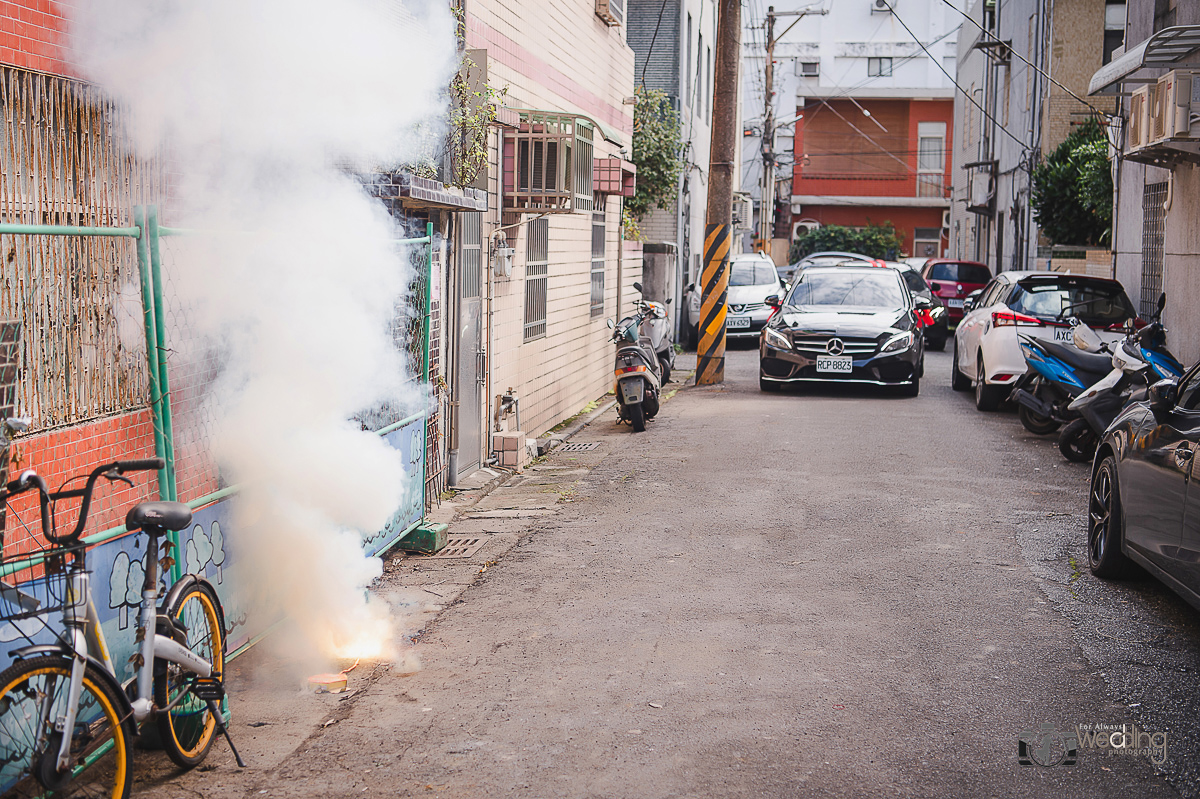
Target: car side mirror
1163, 395
690, 287
774, 301
922, 304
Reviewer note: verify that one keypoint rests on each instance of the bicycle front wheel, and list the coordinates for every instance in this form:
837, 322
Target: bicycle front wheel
33, 695
187, 727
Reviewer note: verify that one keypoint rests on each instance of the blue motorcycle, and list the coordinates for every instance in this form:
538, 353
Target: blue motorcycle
1057, 374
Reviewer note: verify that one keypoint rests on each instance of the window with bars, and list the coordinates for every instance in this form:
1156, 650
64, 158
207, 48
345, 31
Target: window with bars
931, 159
537, 271
597, 298
1154, 220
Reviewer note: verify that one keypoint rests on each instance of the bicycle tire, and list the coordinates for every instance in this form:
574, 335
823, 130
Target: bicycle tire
23, 687
187, 730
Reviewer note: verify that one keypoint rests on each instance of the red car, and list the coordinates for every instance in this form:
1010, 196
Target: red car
952, 280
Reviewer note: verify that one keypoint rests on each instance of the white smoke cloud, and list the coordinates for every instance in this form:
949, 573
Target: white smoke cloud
261, 104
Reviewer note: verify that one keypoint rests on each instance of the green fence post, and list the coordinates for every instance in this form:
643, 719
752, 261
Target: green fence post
144, 272
164, 383
425, 537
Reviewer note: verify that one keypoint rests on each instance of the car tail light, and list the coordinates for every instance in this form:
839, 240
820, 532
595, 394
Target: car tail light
1002, 318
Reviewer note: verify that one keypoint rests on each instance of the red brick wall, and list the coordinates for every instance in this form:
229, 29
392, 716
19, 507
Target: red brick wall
61, 454
33, 35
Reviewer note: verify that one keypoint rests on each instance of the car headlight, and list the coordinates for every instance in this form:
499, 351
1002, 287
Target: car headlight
900, 341
776, 339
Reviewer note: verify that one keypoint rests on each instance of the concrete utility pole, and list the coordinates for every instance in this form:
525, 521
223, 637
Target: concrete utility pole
766, 216
714, 280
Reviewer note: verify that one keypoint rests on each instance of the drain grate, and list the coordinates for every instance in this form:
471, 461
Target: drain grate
461, 546
579, 447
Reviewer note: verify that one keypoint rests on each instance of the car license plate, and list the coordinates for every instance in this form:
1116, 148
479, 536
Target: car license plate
842, 364
737, 321
954, 303
1066, 334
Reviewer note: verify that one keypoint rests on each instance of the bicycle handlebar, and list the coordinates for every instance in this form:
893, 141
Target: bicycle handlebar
111, 471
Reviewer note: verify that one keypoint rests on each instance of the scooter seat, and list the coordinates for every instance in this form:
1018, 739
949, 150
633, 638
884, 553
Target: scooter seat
1084, 361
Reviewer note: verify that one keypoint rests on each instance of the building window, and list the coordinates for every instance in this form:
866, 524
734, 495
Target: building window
708, 83
1114, 28
879, 67
810, 69
687, 87
931, 159
537, 270
597, 298
697, 102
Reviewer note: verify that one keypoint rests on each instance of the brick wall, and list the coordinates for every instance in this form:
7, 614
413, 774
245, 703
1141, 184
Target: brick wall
33, 35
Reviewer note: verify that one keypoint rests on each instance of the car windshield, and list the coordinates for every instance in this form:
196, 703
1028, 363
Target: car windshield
871, 289
1096, 303
960, 273
753, 273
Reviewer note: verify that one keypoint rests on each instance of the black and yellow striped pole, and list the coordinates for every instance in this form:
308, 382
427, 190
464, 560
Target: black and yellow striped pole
718, 231
714, 285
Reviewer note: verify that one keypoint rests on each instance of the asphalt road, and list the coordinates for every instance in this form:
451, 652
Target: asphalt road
831, 592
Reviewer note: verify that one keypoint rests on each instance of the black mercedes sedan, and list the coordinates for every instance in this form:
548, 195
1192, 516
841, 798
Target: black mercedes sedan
1140, 507
845, 324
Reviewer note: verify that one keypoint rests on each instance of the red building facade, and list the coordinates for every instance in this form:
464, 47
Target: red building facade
873, 161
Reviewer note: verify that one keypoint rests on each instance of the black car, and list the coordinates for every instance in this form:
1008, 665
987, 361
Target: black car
1141, 508
844, 324
936, 319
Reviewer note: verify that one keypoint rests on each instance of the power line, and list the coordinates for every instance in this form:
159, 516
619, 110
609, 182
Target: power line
1028, 63
953, 80
653, 39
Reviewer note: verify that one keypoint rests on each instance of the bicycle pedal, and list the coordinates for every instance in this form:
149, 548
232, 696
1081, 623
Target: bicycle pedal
208, 689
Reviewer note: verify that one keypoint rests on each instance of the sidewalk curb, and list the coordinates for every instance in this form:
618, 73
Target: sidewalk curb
560, 438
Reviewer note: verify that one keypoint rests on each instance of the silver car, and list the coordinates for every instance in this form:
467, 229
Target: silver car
752, 278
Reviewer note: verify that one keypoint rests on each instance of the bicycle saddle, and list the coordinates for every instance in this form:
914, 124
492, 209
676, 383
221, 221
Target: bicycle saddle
163, 515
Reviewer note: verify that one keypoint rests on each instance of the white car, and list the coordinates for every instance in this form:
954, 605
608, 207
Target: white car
987, 353
752, 278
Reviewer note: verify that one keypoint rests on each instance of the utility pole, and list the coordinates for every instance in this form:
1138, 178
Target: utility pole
766, 216
714, 279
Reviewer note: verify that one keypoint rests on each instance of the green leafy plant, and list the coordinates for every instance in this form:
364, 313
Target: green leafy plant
472, 111
657, 153
877, 241
1073, 189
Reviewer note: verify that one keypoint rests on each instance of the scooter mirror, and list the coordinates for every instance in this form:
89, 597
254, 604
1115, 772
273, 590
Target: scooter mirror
612, 325
638, 286
1162, 303
1086, 339
668, 302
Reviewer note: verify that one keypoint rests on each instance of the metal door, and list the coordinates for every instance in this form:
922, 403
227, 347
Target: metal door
471, 372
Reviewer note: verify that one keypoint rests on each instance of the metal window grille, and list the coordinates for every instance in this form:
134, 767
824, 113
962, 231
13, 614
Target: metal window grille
470, 255
538, 167
582, 167
64, 160
597, 297
537, 270
1154, 220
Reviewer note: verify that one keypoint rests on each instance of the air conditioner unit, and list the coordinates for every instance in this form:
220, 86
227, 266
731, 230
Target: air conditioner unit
1139, 117
810, 69
1174, 107
743, 212
611, 11
800, 228
945, 220
882, 6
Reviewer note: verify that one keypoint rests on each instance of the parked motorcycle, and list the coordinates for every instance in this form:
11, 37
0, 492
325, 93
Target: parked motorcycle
638, 374
1140, 359
657, 327
1056, 375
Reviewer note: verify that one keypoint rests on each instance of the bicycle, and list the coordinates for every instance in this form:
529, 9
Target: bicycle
67, 725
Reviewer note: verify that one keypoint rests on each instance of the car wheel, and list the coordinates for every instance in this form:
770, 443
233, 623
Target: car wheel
691, 335
1077, 441
958, 381
766, 385
911, 389
1105, 525
936, 343
1035, 423
987, 398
